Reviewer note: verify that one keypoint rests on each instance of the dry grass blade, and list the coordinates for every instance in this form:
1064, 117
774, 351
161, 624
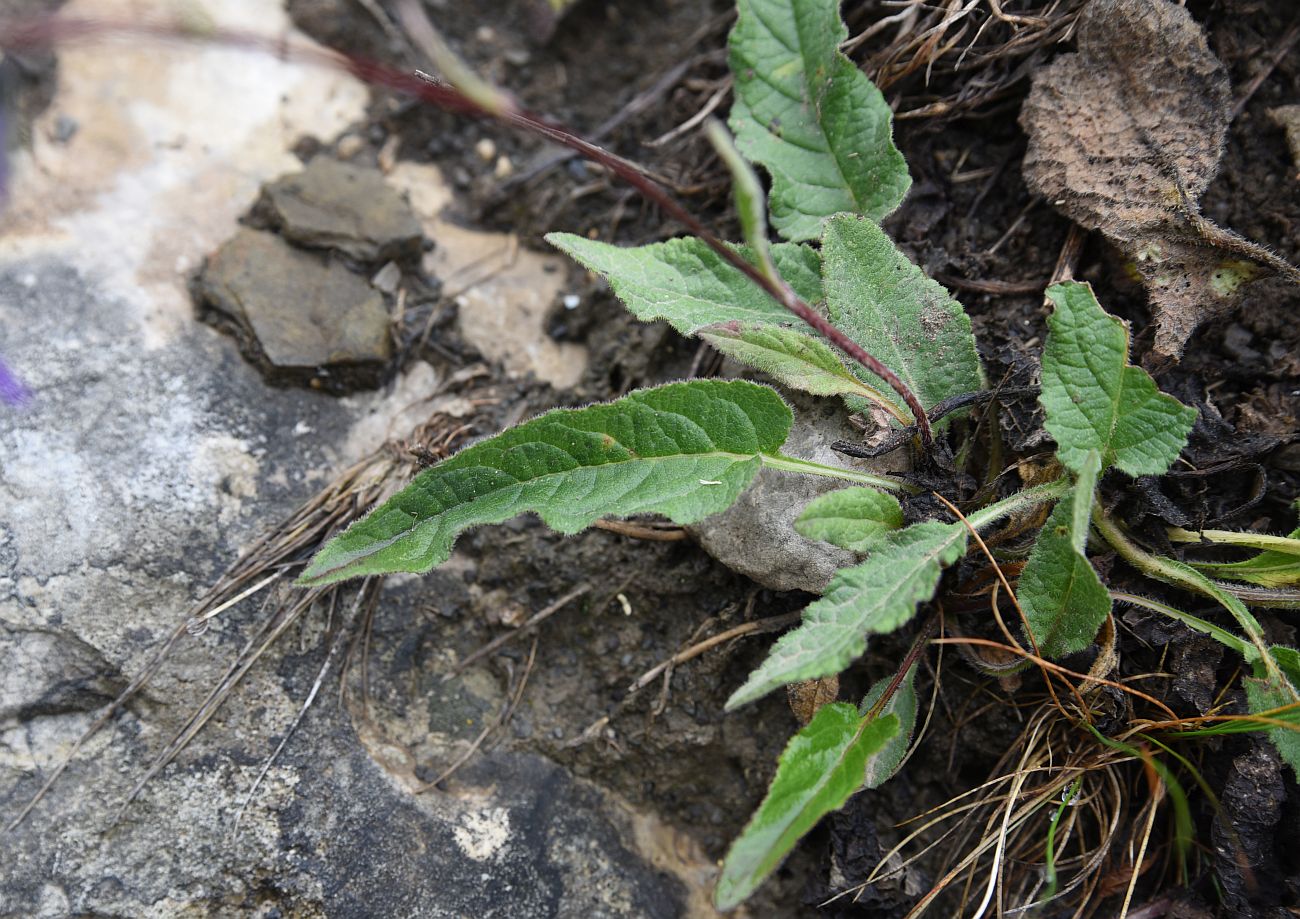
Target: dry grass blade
978, 51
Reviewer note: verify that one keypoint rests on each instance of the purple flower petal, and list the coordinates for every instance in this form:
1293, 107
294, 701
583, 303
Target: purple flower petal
12, 390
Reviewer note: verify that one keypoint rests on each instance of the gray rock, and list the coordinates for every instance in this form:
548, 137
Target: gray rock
756, 536
298, 316
128, 483
334, 205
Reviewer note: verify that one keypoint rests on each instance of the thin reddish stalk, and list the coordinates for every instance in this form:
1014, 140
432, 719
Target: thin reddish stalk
45, 31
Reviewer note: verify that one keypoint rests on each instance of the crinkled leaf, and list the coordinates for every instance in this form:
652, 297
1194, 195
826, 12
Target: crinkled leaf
1095, 400
807, 114
795, 359
1264, 693
889, 307
884, 763
821, 768
853, 518
874, 596
1064, 601
685, 450
685, 282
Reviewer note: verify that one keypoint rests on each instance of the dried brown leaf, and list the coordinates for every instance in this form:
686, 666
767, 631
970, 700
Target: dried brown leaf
1124, 137
809, 695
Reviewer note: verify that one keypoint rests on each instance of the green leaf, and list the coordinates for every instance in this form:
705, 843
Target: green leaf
1264, 693
748, 195
852, 518
889, 307
821, 768
795, 359
1095, 400
875, 596
1277, 566
687, 283
1064, 601
1268, 569
808, 114
685, 450
884, 763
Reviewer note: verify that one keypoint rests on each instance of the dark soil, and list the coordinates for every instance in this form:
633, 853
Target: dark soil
968, 220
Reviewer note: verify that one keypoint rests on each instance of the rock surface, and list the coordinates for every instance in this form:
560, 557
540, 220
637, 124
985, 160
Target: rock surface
149, 456
756, 536
298, 316
347, 208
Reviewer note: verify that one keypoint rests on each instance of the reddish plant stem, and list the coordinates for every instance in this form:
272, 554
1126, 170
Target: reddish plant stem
45, 31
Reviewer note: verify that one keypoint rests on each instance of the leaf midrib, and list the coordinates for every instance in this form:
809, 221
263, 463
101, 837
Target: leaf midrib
377, 546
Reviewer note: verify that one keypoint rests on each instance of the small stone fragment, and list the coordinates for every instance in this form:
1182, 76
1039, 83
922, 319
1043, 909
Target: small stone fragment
387, 278
299, 317
334, 205
1287, 117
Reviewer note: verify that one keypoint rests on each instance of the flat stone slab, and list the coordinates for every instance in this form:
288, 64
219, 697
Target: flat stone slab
351, 209
298, 316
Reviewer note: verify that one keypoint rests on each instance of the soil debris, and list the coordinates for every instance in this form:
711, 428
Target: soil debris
1124, 137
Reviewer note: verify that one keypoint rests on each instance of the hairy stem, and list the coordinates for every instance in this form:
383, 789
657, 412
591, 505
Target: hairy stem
1180, 575
44, 31
808, 467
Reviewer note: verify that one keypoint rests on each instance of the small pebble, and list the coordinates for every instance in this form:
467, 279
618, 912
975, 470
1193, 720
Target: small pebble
486, 149
349, 145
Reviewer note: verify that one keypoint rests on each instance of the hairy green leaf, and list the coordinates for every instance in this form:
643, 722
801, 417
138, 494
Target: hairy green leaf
889, 307
885, 762
795, 359
685, 450
687, 283
1064, 601
748, 195
1264, 693
821, 768
1095, 400
874, 596
852, 518
808, 114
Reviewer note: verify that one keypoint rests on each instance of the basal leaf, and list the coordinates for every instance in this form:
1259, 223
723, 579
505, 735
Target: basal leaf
884, 763
685, 282
852, 518
795, 359
1095, 400
1264, 693
889, 307
1064, 600
821, 768
875, 596
807, 114
685, 450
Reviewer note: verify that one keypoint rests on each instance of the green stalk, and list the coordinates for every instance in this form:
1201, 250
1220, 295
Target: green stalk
808, 467
1180, 575
1262, 541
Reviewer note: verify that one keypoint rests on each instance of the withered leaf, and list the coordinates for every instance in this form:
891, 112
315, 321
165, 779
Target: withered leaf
808, 696
1124, 137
